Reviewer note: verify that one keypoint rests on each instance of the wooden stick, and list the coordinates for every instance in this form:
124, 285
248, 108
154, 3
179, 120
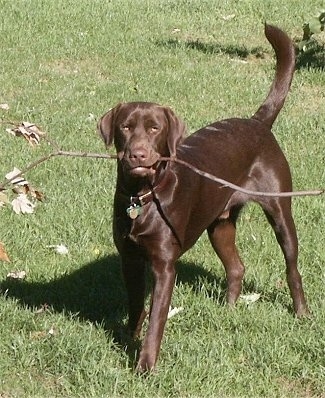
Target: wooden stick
240, 189
169, 159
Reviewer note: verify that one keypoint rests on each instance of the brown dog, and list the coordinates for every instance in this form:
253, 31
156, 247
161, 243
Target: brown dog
161, 208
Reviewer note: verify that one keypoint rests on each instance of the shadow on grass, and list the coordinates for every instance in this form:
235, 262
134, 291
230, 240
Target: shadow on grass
96, 293
313, 58
213, 48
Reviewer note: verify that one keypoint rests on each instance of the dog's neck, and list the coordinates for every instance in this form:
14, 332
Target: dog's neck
143, 188
136, 186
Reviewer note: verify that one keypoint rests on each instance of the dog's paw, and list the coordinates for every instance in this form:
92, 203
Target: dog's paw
146, 364
303, 312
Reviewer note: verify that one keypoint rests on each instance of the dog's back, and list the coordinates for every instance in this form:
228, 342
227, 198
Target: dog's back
242, 151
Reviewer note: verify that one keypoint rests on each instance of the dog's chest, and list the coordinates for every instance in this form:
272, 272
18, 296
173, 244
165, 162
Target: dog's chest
149, 230
142, 221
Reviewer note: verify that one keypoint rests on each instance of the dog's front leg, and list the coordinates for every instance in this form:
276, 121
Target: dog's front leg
134, 278
164, 278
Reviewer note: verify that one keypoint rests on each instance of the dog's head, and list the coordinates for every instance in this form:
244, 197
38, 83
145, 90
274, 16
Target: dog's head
142, 132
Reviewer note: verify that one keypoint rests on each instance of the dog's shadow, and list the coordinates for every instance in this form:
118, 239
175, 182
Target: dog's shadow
96, 293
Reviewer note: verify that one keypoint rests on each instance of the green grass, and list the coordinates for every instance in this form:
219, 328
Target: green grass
61, 61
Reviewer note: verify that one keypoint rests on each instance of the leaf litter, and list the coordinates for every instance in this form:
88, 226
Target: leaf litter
29, 131
24, 191
19, 275
3, 254
60, 249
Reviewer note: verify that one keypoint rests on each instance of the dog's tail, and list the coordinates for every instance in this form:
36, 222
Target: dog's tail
285, 66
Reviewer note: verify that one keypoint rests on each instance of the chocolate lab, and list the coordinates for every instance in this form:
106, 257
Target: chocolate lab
161, 207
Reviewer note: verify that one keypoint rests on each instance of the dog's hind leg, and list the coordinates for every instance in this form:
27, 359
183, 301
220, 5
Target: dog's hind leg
222, 235
278, 213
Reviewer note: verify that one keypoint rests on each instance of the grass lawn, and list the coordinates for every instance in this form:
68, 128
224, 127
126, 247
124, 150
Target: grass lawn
63, 63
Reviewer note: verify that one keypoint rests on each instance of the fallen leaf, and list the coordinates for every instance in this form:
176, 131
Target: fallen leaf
43, 308
19, 180
239, 61
29, 190
96, 251
17, 275
52, 331
5, 107
90, 117
41, 334
22, 205
3, 254
60, 249
228, 17
280, 284
174, 311
22, 187
29, 131
36, 194
250, 298
38, 335
254, 237
3, 199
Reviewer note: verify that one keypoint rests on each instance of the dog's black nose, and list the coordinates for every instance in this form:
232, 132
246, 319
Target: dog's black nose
139, 154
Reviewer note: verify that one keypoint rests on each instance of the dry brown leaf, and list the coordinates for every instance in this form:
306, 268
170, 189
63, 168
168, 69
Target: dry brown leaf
38, 335
29, 131
42, 334
43, 308
22, 186
28, 190
37, 194
33, 192
3, 199
3, 254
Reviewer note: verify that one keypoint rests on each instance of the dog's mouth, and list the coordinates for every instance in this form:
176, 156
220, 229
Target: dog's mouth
143, 171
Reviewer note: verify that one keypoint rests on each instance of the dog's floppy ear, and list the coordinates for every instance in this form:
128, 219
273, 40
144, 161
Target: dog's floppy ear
176, 131
106, 125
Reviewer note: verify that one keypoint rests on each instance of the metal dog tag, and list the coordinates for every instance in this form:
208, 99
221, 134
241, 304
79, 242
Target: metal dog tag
134, 211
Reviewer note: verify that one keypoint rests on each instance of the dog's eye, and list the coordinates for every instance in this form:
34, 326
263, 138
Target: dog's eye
125, 128
154, 129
